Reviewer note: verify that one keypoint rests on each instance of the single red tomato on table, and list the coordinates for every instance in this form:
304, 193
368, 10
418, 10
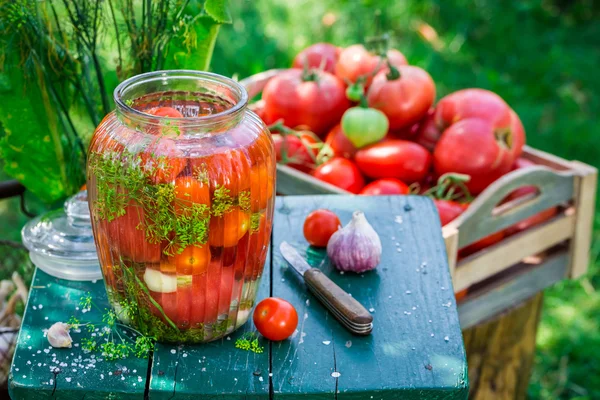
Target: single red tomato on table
404, 99
385, 186
471, 147
342, 173
315, 99
275, 318
400, 159
318, 55
319, 225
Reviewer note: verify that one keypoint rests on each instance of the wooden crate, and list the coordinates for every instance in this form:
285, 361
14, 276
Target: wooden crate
514, 269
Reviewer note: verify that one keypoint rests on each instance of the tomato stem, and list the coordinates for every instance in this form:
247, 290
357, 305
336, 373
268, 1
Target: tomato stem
447, 186
394, 73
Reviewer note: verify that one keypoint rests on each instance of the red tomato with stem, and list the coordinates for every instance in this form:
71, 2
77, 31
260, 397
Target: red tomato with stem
316, 99
405, 99
319, 55
400, 159
342, 173
355, 61
319, 226
293, 152
339, 143
396, 58
384, 187
455, 153
275, 318
472, 103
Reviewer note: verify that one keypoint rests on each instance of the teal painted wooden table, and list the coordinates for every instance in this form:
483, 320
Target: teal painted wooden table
415, 350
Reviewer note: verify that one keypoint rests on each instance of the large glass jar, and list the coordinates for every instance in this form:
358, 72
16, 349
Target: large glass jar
181, 182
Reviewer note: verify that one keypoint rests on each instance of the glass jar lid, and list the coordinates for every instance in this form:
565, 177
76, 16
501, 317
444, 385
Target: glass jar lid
61, 242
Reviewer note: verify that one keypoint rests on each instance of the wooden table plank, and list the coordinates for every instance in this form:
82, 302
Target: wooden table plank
213, 370
415, 350
40, 371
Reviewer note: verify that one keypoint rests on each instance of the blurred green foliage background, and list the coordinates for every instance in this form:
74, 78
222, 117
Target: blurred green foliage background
541, 56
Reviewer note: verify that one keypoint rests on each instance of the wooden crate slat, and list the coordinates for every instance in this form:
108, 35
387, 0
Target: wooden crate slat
585, 201
482, 218
294, 182
512, 250
513, 290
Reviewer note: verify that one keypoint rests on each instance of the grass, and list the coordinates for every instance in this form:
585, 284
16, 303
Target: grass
542, 57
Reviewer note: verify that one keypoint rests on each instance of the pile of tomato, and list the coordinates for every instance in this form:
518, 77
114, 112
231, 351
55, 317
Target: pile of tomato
368, 122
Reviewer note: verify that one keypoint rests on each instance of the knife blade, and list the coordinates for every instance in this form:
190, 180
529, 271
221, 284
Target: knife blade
345, 308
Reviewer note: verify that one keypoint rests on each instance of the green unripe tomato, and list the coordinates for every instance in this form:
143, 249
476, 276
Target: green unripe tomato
364, 126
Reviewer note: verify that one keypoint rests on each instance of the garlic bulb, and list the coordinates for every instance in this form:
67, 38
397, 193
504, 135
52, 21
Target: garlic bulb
355, 247
58, 335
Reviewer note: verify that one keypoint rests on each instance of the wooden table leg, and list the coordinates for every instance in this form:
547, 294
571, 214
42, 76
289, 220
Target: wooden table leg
500, 352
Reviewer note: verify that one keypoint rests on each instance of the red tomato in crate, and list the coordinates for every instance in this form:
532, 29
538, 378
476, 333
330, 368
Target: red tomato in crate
162, 160
316, 102
481, 244
127, 235
339, 143
384, 187
342, 173
534, 220
401, 159
471, 147
449, 210
355, 61
472, 103
396, 58
524, 190
405, 100
293, 152
319, 55
275, 318
460, 295
428, 133
319, 225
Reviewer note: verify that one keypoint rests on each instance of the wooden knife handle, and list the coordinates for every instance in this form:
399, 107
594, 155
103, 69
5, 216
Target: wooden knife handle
337, 298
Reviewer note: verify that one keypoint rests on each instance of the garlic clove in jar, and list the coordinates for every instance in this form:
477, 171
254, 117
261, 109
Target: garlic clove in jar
58, 335
356, 247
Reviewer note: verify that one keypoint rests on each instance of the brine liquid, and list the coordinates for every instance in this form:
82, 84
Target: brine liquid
182, 220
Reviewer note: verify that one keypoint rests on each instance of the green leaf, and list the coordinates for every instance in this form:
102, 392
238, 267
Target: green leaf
34, 148
218, 10
193, 46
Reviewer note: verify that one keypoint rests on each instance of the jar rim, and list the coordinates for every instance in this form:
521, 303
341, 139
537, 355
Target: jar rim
238, 89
